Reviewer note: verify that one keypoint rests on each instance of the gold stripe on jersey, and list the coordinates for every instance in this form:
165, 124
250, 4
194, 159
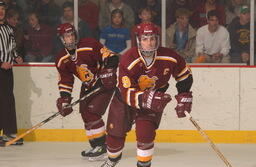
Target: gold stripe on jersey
134, 63
65, 90
84, 49
137, 99
183, 77
65, 86
183, 71
128, 96
62, 59
166, 58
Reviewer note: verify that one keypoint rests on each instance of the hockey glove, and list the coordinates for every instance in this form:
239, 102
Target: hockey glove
108, 78
184, 103
154, 100
61, 103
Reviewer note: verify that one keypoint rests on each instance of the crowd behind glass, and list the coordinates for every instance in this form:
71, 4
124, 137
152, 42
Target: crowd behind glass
202, 31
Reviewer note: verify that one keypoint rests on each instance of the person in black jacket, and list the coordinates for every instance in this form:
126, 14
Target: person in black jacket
239, 30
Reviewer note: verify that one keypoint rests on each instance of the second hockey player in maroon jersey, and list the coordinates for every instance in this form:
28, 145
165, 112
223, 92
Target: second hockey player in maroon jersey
144, 72
95, 66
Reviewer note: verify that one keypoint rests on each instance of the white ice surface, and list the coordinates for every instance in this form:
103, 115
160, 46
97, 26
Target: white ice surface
62, 154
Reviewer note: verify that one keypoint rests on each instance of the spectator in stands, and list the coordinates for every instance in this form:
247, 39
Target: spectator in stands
199, 17
171, 8
212, 41
23, 4
116, 37
105, 13
134, 4
10, 4
155, 6
181, 36
12, 18
97, 2
233, 9
27, 7
49, 12
89, 13
239, 30
38, 40
68, 17
30, 5
145, 15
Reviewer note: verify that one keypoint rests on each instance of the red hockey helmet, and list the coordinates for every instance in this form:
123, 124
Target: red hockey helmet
147, 30
67, 29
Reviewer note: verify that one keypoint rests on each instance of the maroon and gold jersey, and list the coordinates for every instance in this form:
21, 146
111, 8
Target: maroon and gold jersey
85, 64
135, 76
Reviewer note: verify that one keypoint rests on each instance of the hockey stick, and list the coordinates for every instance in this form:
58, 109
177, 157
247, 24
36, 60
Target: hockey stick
206, 137
50, 118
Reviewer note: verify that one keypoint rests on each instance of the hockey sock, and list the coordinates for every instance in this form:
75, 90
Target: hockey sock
115, 159
143, 164
92, 143
100, 141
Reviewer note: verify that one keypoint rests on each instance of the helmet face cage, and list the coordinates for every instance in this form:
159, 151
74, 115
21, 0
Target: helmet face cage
67, 30
147, 30
148, 52
71, 45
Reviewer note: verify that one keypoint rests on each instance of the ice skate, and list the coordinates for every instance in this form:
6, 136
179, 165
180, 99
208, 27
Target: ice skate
87, 153
99, 153
109, 163
7, 138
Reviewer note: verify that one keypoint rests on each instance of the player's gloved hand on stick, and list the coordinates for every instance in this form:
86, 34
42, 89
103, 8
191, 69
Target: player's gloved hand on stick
61, 103
154, 100
184, 103
108, 78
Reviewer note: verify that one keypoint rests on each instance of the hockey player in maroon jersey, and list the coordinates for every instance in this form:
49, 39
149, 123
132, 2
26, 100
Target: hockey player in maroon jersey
95, 66
144, 72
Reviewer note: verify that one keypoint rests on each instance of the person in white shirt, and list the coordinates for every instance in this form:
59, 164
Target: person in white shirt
212, 41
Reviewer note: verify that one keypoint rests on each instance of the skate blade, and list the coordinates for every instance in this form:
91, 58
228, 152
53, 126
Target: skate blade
102, 157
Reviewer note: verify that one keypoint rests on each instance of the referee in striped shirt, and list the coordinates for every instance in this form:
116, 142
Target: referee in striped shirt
8, 56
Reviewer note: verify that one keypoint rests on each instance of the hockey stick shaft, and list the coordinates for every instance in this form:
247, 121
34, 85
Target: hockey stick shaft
50, 118
206, 137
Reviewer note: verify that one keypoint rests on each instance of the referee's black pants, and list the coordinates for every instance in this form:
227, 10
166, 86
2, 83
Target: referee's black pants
7, 103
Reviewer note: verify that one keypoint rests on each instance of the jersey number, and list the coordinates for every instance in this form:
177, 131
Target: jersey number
126, 82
